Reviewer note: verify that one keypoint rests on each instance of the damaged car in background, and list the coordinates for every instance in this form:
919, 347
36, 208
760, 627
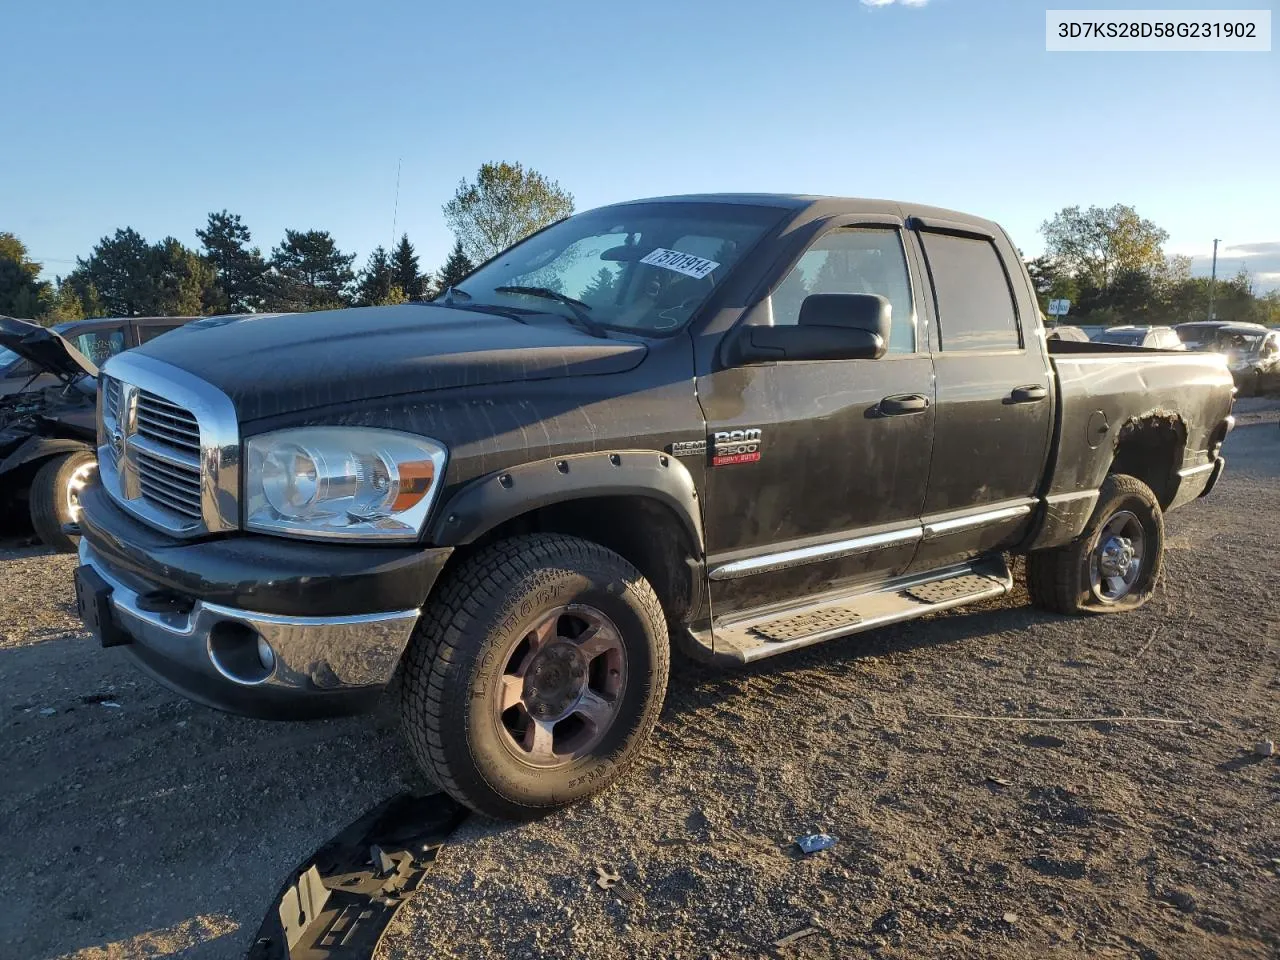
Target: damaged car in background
737, 424
46, 430
1252, 351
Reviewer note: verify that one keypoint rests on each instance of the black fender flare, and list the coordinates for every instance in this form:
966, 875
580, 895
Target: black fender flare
37, 448
495, 498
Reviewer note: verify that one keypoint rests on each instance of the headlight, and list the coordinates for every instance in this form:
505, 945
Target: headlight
347, 482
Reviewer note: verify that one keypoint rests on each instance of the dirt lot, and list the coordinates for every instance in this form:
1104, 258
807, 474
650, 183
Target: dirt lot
136, 824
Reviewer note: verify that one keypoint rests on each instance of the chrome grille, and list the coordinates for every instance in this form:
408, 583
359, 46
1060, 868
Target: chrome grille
167, 423
111, 397
168, 446
167, 441
170, 485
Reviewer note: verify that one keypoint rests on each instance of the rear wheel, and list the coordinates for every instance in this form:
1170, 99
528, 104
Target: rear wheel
1114, 565
55, 497
536, 675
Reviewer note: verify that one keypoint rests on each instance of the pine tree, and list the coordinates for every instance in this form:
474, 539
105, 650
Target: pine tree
455, 268
404, 270
601, 290
375, 280
240, 269
309, 272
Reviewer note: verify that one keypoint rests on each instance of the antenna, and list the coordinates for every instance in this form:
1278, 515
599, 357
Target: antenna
395, 210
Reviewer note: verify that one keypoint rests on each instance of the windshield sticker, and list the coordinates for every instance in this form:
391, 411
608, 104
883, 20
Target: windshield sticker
686, 263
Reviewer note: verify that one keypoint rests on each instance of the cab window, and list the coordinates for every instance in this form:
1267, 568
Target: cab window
853, 260
100, 345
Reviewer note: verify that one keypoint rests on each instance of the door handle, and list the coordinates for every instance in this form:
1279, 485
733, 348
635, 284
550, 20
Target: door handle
903, 404
1028, 394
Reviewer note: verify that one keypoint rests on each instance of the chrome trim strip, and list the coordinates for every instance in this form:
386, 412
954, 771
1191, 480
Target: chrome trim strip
940, 528
1186, 472
219, 462
769, 562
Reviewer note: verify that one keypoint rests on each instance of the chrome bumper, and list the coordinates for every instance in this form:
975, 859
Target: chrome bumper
215, 654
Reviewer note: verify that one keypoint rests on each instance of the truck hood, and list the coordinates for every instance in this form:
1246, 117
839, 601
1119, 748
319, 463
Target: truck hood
47, 350
284, 363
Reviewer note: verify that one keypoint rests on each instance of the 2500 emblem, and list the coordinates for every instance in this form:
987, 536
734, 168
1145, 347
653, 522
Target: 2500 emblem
735, 446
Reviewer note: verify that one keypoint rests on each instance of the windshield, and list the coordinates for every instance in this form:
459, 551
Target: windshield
643, 267
7, 359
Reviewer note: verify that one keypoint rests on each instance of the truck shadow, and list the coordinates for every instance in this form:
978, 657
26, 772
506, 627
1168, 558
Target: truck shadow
179, 823
696, 685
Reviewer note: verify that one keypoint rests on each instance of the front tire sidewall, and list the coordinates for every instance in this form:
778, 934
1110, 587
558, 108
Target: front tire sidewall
533, 786
1137, 499
455, 660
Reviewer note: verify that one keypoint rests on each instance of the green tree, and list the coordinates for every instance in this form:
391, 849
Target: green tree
1097, 244
602, 289
124, 276
405, 272
22, 292
239, 268
180, 282
117, 269
504, 205
1051, 282
455, 268
67, 305
309, 272
375, 280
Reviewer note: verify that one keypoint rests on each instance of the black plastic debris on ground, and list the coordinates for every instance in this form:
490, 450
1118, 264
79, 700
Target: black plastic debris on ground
338, 904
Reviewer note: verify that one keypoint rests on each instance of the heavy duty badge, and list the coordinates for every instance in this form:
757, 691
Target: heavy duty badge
735, 446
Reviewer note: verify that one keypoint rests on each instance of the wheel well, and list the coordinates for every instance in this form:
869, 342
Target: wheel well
640, 529
1151, 448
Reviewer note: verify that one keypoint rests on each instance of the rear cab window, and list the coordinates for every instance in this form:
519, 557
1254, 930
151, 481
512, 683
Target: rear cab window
976, 310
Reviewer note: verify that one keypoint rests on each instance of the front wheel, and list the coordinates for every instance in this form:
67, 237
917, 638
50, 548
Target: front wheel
536, 675
55, 497
1114, 565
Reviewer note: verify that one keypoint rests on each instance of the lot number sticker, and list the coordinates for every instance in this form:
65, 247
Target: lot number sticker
686, 263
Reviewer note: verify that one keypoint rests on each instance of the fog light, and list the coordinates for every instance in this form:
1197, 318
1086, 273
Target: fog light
266, 656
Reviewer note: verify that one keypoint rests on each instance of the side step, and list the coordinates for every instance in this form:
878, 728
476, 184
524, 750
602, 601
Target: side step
757, 636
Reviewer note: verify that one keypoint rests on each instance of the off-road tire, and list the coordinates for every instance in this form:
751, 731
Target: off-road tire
47, 499
1058, 578
445, 707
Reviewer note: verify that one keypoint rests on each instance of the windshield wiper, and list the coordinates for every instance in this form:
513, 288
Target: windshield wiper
579, 308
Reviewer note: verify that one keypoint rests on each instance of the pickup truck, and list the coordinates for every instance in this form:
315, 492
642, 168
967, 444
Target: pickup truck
733, 425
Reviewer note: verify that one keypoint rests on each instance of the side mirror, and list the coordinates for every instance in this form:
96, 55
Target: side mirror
832, 326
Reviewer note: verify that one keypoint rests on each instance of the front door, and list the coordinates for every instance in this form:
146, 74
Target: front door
994, 401
819, 469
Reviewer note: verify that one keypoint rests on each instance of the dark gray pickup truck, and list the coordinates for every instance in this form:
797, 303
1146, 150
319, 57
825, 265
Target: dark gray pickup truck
736, 424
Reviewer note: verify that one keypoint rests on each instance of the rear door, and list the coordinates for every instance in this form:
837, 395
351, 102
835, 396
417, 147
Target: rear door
994, 396
818, 482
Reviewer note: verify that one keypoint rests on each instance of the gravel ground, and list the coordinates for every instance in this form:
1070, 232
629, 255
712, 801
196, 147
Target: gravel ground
136, 824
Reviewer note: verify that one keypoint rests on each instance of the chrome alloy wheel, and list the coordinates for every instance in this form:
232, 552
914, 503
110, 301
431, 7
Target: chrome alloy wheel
561, 686
1116, 561
76, 483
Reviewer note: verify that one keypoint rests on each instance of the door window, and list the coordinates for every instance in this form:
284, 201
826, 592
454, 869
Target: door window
100, 345
853, 260
975, 304
149, 331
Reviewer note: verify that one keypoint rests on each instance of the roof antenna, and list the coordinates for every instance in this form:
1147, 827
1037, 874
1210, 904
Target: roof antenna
395, 210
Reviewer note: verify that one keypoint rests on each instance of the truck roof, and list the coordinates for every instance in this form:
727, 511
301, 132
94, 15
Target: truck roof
824, 206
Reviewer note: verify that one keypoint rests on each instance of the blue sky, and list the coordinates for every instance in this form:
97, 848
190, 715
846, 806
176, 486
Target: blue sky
151, 114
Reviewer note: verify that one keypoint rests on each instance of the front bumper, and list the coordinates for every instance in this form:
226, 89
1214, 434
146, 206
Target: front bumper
335, 618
